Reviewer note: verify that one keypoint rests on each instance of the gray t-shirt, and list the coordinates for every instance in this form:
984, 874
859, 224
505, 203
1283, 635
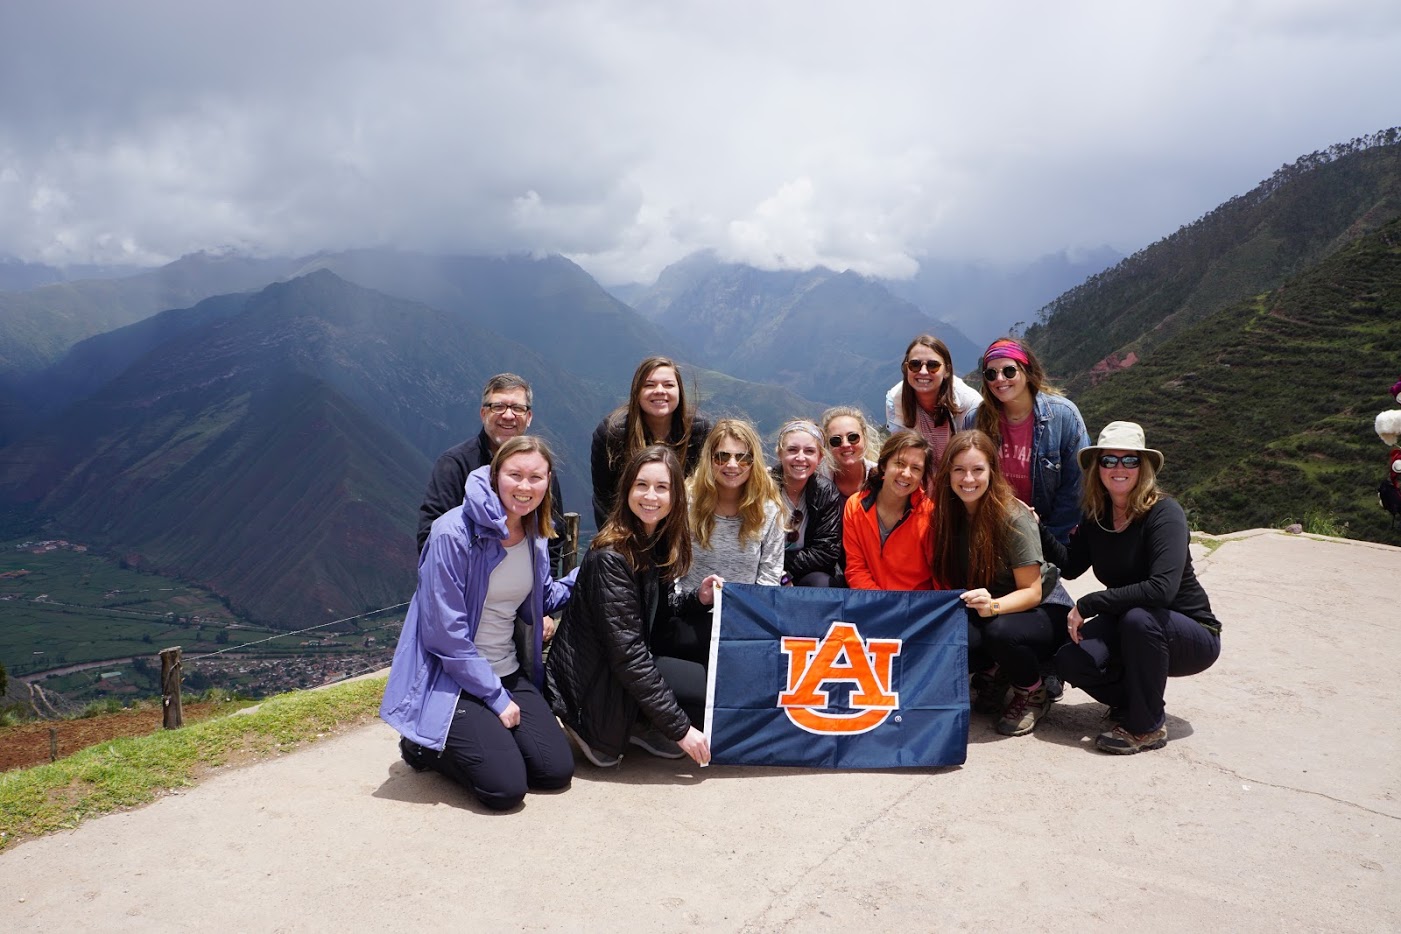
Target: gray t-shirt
506, 591
758, 562
1023, 549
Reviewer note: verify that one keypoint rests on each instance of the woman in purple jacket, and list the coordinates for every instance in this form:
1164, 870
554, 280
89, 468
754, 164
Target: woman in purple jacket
464, 689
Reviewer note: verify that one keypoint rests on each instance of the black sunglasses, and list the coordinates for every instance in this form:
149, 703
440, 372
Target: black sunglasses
794, 522
1131, 461
1008, 372
721, 458
836, 440
933, 366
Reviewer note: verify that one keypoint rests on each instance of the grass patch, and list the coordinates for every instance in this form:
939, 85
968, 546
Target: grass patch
126, 773
1210, 544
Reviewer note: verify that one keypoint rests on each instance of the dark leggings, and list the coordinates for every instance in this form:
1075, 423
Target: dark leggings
1017, 642
687, 681
1125, 661
496, 764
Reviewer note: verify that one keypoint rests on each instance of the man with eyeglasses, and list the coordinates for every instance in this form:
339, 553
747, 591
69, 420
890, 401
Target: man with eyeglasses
507, 403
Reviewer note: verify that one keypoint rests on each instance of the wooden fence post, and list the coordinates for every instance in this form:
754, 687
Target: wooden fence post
53, 744
171, 717
571, 542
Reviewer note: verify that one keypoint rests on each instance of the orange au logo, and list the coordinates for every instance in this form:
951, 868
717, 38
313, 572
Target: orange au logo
840, 656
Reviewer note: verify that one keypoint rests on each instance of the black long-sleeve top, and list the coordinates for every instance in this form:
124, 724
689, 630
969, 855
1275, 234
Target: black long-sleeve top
606, 464
1148, 564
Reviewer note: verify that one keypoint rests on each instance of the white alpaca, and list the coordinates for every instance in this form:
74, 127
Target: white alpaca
1389, 424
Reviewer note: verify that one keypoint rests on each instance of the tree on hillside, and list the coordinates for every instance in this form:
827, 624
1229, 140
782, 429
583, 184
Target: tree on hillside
4, 679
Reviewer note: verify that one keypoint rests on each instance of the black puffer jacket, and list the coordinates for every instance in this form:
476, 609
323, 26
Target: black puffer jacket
600, 672
608, 440
822, 540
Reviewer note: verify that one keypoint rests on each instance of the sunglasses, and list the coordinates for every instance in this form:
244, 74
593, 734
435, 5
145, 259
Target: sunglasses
1008, 372
1130, 461
721, 458
794, 521
933, 366
836, 440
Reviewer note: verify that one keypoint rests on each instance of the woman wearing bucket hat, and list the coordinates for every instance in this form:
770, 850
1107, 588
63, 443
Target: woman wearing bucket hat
1038, 433
1153, 619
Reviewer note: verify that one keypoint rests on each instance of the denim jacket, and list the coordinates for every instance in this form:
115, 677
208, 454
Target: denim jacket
436, 658
1055, 466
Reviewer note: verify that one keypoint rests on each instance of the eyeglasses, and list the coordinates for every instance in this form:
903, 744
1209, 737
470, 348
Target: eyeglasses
836, 440
1008, 372
1130, 461
721, 458
933, 366
795, 521
499, 408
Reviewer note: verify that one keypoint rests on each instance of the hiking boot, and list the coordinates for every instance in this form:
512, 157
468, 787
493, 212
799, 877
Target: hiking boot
602, 760
989, 692
412, 753
651, 739
1121, 742
1024, 711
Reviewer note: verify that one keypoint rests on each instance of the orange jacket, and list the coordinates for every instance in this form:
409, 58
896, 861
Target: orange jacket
904, 562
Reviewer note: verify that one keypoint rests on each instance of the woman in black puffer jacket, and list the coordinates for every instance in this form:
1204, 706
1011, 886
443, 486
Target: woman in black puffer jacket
813, 517
603, 680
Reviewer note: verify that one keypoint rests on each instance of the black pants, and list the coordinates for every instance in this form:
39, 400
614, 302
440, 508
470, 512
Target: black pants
1017, 642
499, 765
815, 579
687, 681
1125, 661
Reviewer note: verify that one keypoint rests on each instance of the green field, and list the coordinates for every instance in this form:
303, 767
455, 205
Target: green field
63, 607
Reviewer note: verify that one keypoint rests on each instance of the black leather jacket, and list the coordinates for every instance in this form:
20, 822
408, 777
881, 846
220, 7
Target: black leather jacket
822, 540
601, 672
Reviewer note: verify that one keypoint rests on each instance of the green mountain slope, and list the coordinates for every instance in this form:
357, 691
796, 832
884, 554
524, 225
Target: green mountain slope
1252, 243
1264, 409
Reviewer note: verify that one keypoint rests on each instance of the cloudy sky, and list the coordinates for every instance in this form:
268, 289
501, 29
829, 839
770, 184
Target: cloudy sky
627, 134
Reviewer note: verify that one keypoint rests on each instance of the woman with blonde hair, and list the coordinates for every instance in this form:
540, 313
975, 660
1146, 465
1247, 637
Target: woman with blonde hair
852, 448
1038, 433
813, 508
1152, 621
656, 413
987, 543
737, 530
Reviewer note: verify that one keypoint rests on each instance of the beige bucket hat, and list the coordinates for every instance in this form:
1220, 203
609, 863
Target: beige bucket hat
1121, 436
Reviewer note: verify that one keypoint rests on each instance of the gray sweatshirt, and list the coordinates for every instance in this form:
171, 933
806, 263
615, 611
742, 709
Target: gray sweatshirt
761, 562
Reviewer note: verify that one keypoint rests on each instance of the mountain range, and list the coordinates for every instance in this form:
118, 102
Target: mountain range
265, 427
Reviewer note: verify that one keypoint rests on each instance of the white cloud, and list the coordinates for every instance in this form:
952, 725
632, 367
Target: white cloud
626, 135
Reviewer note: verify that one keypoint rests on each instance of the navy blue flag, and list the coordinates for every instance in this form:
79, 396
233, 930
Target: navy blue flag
829, 678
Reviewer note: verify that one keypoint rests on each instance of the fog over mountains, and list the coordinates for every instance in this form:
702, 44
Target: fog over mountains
265, 426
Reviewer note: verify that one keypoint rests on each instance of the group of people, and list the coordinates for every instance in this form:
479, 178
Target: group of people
994, 492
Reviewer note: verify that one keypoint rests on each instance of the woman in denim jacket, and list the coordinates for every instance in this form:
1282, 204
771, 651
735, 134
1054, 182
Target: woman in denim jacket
1039, 433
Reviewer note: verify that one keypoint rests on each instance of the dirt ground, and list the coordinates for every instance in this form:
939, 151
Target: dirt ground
28, 744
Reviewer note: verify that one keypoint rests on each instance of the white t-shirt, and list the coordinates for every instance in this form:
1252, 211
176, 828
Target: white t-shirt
506, 591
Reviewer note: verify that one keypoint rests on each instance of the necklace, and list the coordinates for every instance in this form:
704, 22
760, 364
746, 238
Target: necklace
1118, 526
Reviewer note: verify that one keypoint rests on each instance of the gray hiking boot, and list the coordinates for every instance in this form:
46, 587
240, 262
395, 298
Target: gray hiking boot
1024, 711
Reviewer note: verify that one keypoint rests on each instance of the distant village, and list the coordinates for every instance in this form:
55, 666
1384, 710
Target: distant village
50, 544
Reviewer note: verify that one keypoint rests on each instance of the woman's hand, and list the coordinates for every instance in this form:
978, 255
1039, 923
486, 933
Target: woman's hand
979, 601
511, 716
549, 625
707, 597
1073, 622
695, 745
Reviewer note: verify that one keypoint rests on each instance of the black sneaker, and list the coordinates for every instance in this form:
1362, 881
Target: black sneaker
1055, 687
412, 753
654, 742
989, 692
599, 759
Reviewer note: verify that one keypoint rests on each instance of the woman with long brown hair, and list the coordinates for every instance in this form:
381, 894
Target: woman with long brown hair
987, 543
931, 397
656, 413
606, 684
1038, 433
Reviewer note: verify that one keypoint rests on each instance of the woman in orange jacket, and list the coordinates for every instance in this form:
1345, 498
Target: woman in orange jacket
885, 527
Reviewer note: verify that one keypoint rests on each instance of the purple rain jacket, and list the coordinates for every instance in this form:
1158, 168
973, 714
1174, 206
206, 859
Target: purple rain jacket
436, 658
